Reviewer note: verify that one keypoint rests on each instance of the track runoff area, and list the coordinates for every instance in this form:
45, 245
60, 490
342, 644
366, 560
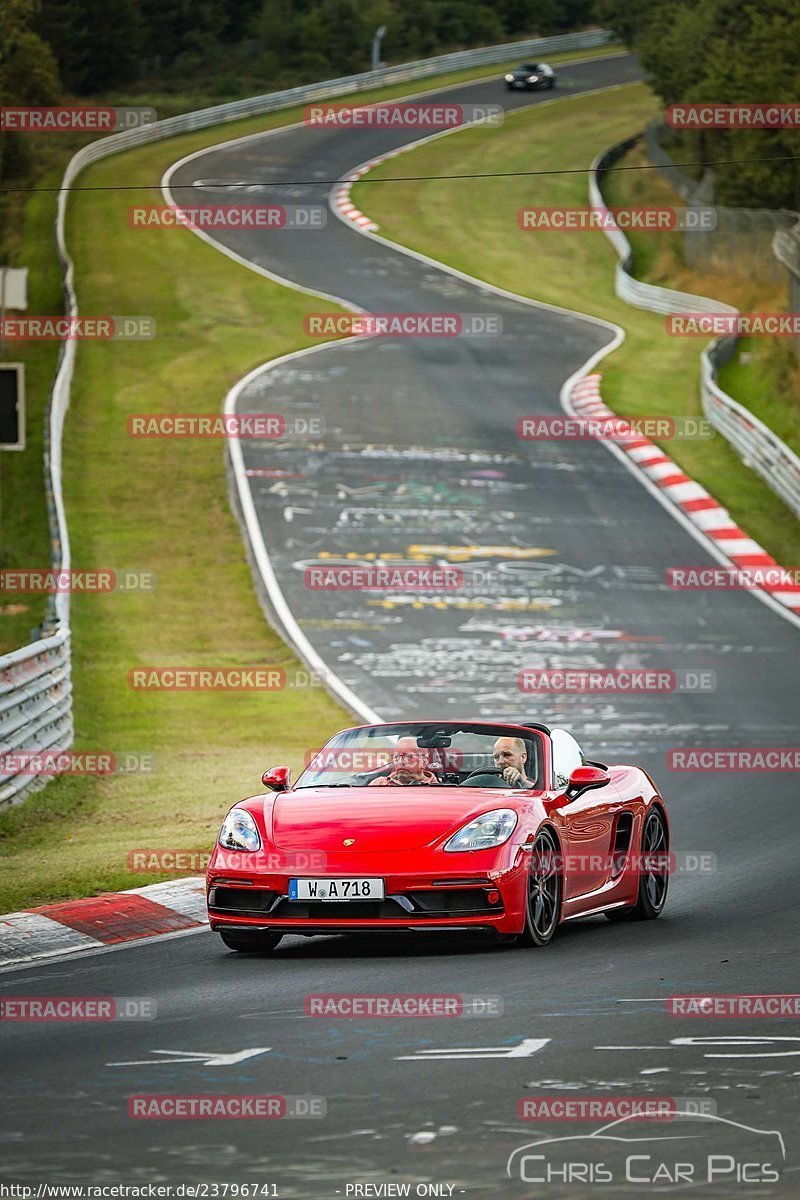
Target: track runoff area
419, 460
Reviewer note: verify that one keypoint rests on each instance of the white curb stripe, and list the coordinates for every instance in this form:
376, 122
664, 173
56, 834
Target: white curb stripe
732, 546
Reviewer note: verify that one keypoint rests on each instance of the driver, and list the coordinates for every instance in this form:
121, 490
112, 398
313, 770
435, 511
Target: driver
510, 757
409, 766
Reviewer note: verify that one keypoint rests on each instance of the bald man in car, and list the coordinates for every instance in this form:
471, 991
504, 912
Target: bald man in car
409, 766
510, 757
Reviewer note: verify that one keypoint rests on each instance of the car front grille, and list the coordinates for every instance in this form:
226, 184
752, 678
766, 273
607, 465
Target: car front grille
418, 904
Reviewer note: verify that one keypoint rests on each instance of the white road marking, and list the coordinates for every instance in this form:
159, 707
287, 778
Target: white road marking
525, 1049
208, 1058
743, 1041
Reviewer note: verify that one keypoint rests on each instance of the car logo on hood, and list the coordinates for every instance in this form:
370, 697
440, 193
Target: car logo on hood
348, 841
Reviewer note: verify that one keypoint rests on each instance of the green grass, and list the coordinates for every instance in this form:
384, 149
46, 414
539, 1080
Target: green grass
765, 377
27, 236
24, 534
160, 506
472, 225
765, 373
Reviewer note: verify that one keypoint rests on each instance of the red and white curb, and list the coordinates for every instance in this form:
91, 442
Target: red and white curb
343, 205
340, 200
106, 920
714, 521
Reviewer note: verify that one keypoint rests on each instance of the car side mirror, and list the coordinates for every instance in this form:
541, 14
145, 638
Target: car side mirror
583, 779
277, 778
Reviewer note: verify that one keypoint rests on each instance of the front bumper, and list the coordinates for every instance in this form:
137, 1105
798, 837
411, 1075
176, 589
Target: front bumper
480, 900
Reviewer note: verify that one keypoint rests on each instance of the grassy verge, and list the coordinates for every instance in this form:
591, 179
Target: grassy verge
765, 374
472, 225
159, 506
24, 533
26, 235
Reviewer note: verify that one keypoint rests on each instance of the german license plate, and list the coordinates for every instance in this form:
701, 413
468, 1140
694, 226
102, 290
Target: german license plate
336, 889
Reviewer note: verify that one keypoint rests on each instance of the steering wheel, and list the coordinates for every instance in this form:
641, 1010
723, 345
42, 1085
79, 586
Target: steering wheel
486, 771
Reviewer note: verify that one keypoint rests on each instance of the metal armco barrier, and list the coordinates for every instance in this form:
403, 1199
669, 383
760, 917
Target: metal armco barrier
35, 681
760, 448
35, 709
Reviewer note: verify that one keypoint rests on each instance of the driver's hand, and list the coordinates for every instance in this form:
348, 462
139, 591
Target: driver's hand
512, 776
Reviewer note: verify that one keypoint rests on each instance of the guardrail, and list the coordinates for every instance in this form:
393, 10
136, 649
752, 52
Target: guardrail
35, 710
757, 445
35, 681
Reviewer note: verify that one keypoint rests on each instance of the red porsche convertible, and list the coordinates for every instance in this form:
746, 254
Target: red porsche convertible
441, 826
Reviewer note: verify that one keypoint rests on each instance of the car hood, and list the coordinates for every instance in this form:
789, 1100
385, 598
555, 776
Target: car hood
377, 818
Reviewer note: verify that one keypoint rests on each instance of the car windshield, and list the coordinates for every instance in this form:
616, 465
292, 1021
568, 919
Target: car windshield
529, 67
452, 753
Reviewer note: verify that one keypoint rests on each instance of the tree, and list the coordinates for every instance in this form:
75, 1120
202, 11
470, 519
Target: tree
105, 44
28, 75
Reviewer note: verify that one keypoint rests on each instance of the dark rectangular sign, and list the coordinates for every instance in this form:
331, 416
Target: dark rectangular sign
12, 406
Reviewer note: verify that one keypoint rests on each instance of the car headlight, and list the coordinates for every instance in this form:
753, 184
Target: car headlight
239, 831
509, 78
490, 829
533, 79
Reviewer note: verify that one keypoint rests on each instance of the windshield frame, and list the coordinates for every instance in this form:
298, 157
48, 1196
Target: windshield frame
537, 736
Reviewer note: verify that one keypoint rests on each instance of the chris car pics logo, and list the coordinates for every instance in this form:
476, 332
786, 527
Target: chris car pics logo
697, 1149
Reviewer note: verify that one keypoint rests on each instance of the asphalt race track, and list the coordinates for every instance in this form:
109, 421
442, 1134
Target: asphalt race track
568, 540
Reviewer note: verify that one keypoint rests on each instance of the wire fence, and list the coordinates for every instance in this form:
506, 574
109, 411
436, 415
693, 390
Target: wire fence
742, 242
786, 248
757, 445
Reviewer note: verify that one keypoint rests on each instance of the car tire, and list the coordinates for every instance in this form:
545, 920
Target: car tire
551, 84
653, 885
257, 942
543, 894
